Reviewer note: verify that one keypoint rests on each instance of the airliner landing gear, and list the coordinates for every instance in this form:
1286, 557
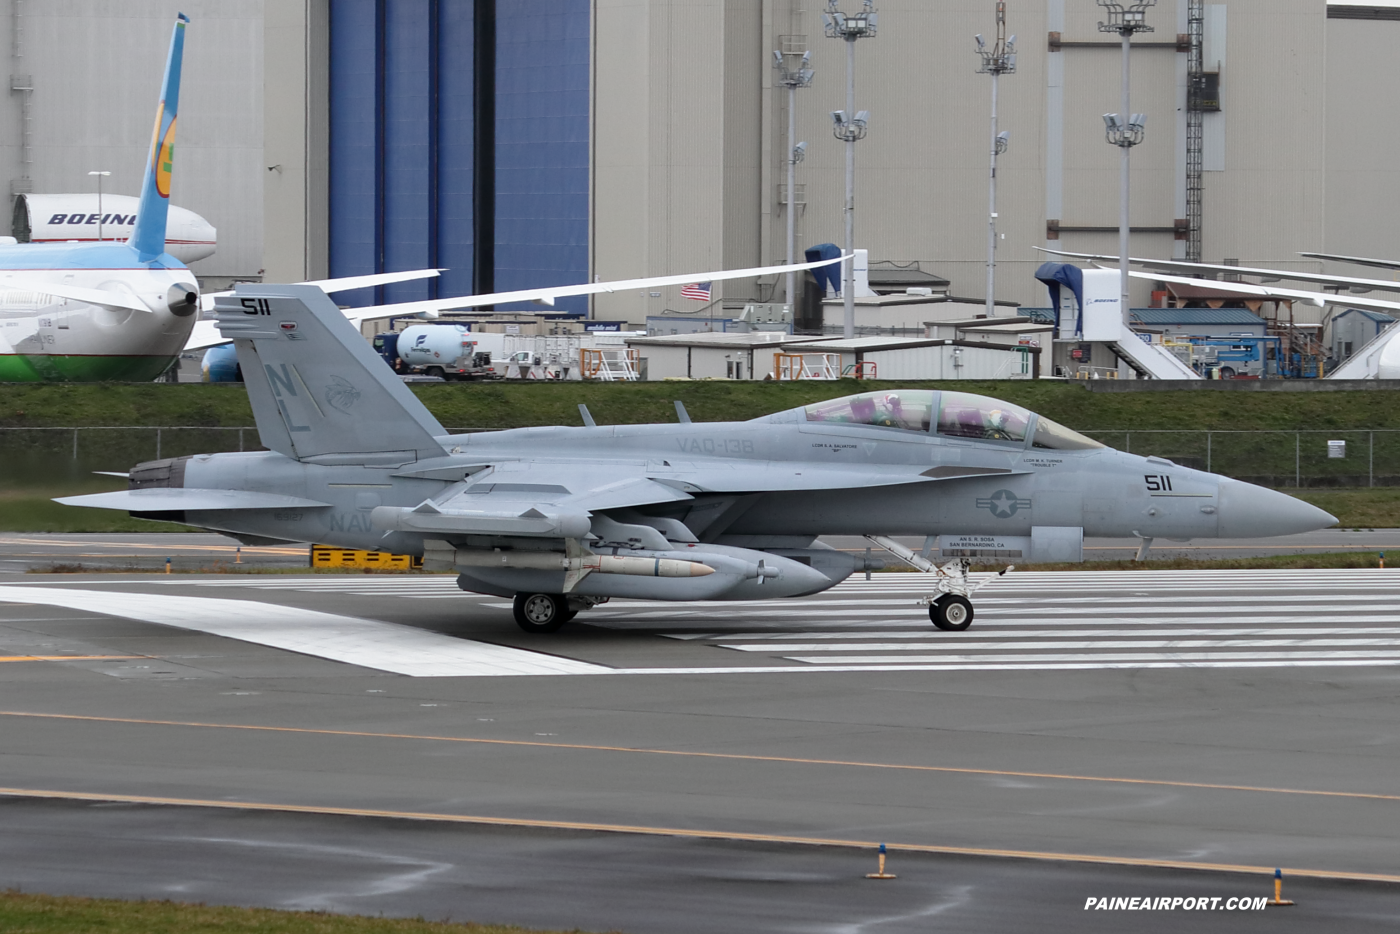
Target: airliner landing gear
542, 612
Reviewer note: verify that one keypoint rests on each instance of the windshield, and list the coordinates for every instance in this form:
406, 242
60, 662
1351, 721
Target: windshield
964, 415
1056, 437
907, 409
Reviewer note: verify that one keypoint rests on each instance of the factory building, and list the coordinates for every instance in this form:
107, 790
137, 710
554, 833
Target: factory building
544, 142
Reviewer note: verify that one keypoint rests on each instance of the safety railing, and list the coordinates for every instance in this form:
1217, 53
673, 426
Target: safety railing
792, 366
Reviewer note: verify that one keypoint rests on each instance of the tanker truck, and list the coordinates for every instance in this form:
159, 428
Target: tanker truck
447, 351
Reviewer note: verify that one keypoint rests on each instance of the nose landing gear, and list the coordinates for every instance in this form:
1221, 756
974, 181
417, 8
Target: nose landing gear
950, 608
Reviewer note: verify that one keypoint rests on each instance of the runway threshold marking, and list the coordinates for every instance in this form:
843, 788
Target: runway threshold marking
742, 757
693, 833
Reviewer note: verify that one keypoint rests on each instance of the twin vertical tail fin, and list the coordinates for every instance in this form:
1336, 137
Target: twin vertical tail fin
148, 238
317, 389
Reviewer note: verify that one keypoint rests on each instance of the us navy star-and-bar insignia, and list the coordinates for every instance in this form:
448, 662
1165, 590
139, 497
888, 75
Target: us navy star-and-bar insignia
1003, 504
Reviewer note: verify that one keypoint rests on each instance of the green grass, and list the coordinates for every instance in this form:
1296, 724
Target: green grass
512, 405
48, 914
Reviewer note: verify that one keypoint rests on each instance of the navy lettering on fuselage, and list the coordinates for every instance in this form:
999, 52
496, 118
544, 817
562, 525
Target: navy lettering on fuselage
350, 522
76, 218
58, 218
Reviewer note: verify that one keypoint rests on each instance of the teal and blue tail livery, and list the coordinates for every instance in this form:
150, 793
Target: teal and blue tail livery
149, 235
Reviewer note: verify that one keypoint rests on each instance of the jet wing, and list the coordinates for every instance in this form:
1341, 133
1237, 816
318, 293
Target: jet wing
548, 294
1355, 260
206, 333
343, 284
1380, 285
1269, 292
176, 499
553, 499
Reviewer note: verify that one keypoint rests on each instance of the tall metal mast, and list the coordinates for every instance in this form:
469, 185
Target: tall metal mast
849, 125
999, 60
1123, 130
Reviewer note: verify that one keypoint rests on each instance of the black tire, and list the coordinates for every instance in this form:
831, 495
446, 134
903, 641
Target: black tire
541, 612
951, 613
435, 371
1227, 372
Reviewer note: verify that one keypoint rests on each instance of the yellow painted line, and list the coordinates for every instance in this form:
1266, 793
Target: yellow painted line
645, 830
62, 658
734, 756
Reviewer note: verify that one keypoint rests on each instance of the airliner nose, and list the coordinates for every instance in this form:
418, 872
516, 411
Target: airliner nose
1249, 511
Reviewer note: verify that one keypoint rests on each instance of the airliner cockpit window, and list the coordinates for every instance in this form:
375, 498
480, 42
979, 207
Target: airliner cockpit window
907, 409
964, 415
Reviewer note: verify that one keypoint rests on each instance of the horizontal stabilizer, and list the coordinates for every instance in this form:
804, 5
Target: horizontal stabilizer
77, 293
177, 499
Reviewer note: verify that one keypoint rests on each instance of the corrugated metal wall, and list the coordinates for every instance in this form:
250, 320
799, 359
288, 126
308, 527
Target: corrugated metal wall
402, 142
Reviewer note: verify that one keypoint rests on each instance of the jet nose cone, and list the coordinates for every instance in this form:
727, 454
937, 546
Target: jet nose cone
1249, 511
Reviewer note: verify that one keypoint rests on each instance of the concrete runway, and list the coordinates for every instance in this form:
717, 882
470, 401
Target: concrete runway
190, 551
663, 768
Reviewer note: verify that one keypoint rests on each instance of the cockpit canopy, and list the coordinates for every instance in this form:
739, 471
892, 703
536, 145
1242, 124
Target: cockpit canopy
952, 414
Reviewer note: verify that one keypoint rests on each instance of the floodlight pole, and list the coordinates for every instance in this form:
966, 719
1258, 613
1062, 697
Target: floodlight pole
999, 60
792, 79
1125, 19
850, 126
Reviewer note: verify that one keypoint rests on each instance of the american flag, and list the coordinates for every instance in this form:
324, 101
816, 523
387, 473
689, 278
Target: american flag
700, 291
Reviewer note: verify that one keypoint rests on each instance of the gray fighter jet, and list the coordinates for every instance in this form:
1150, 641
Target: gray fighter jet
564, 518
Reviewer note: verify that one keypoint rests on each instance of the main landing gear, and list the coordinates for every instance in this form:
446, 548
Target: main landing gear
548, 612
950, 608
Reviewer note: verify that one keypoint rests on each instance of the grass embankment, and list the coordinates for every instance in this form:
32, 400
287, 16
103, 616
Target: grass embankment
47, 914
46, 470
515, 405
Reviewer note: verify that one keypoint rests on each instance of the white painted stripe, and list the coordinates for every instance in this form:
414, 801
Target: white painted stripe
369, 643
922, 632
1104, 657
961, 644
1050, 666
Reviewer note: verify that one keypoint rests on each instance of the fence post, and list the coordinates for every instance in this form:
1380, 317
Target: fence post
1207, 452
1127, 442
1297, 459
157, 444
240, 441
1371, 461
75, 444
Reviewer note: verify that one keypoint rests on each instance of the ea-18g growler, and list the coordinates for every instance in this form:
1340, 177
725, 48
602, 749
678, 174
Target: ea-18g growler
565, 518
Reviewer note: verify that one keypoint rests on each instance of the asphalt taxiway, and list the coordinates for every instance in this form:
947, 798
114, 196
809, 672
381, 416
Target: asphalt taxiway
1128, 734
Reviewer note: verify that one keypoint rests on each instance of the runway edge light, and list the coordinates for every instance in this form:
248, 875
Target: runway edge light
880, 873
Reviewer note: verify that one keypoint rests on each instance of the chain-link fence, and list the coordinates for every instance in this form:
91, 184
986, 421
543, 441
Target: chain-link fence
1310, 458
67, 457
